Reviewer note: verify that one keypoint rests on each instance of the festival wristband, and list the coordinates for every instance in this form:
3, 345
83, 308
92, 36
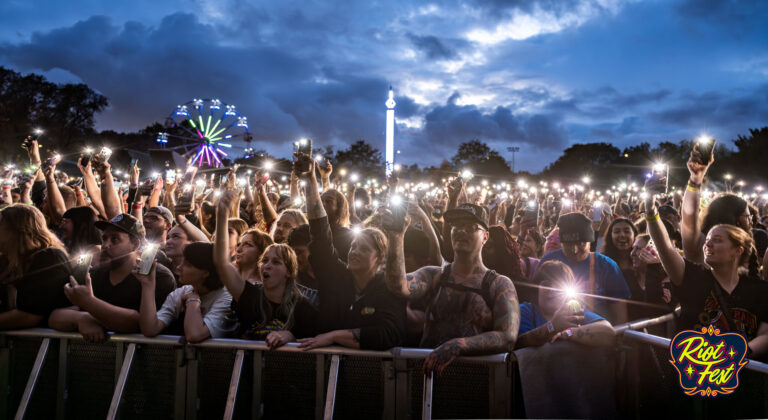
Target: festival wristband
692, 189
654, 218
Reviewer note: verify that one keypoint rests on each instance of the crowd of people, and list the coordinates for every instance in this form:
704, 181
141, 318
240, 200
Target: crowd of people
465, 268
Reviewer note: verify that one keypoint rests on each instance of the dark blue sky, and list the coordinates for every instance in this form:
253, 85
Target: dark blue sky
536, 74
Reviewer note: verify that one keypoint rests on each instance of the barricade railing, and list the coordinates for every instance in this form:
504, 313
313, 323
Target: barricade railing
395, 376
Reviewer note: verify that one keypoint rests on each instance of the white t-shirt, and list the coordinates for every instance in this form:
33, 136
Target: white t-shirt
214, 306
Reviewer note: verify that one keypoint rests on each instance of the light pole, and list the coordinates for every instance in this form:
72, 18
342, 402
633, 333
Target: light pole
513, 149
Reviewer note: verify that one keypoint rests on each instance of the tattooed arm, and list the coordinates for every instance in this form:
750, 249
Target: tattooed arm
506, 321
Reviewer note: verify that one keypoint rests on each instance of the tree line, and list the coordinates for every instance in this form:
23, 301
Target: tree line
67, 112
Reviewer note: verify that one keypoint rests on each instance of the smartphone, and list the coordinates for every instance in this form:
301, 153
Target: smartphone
104, 154
261, 178
705, 147
658, 181
531, 211
147, 258
134, 163
398, 214
304, 152
82, 266
170, 176
53, 160
87, 156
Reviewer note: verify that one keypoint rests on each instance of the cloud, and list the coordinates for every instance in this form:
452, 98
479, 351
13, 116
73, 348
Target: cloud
431, 46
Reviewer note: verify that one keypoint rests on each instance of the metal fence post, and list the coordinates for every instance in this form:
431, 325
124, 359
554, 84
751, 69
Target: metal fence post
426, 398
33, 376
125, 370
234, 384
402, 390
333, 377
62, 379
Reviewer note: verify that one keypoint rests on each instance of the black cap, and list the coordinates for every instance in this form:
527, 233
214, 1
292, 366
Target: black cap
575, 227
467, 211
665, 209
126, 223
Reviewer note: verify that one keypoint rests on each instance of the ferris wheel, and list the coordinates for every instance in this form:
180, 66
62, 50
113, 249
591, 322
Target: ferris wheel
207, 127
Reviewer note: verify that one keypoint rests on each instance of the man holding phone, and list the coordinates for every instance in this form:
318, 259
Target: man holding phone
111, 296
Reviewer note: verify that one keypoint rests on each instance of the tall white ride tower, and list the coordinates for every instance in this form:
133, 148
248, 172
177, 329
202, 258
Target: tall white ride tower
390, 152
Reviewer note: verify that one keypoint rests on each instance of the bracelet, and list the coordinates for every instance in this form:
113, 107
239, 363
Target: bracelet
692, 189
192, 300
654, 218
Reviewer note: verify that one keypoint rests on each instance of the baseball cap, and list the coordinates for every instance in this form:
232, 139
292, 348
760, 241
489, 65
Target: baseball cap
575, 227
125, 223
467, 211
163, 212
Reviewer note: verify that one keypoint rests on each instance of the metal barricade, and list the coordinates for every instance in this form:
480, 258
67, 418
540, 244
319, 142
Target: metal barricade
132, 376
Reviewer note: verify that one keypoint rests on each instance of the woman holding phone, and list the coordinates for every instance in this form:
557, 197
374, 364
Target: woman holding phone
199, 309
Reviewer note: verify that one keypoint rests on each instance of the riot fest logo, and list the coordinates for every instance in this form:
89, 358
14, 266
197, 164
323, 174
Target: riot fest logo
708, 361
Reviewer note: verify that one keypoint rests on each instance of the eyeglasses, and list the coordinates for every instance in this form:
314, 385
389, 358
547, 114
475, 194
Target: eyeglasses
467, 227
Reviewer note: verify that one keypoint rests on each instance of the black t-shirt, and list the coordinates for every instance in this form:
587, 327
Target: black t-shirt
41, 289
249, 312
127, 293
700, 308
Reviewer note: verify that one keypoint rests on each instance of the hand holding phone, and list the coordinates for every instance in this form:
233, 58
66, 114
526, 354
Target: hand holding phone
303, 154
703, 150
82, 266
147, 258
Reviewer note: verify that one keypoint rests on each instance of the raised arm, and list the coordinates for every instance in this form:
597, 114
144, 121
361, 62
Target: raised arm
417, 214
109, 195
148, 322
671, 260
267, 211
91, 187
412, 286
55, 200
228, 273
690, 226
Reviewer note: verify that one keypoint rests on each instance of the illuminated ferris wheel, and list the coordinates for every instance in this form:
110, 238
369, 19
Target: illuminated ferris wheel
210, 125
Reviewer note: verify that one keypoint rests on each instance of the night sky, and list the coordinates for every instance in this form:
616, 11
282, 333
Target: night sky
540, 75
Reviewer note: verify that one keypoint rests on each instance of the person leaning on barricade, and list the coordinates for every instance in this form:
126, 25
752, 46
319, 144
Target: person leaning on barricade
271, 309
355, 308
34, 268
472, 310
199, 309
110, 296
557, 316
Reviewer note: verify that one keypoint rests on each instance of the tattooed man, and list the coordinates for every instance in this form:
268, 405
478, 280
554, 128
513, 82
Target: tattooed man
471, 309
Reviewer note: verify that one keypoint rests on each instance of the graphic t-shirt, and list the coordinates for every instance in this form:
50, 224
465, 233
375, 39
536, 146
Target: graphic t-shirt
700, 308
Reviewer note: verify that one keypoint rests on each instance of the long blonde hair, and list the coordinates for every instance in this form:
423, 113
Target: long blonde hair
291, 294
27, 233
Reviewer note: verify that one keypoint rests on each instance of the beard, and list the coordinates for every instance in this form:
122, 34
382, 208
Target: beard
106, 260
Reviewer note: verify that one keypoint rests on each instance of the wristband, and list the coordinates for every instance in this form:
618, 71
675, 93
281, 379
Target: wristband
29, 203
6, 187
137, 206
550, 326
191, 300
654, 218
692, 189
78, 194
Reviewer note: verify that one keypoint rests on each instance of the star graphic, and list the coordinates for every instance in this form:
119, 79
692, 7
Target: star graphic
690, 371
731, 353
